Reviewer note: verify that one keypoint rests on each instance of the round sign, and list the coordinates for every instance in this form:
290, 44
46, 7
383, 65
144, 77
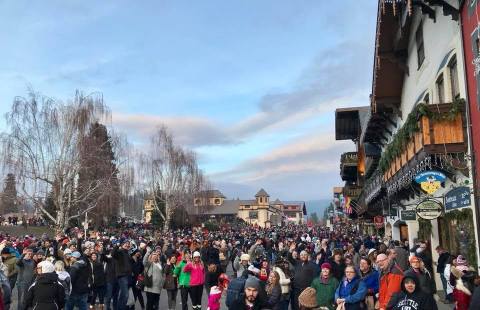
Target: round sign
378, 220
429, 209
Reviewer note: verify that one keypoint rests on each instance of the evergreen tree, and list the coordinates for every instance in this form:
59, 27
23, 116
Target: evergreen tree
9, 197
98, 182
314, 218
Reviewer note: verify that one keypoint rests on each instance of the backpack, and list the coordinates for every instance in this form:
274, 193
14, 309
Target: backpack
67, 285
235, 290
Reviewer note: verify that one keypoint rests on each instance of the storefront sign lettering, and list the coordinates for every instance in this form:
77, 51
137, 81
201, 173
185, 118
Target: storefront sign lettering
430, 181
429, 209
458, 198
408, 215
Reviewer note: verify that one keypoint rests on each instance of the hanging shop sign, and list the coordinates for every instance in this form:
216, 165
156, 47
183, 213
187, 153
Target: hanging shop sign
408, 215
429, 209
458, 197
430, 181
378, 220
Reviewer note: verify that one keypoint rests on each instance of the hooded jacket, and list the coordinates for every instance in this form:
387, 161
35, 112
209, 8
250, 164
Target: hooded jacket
80, 276
404, 300
46, 293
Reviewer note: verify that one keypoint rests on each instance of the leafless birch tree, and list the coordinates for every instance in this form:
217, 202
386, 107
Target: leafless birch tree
42, 147
171, 174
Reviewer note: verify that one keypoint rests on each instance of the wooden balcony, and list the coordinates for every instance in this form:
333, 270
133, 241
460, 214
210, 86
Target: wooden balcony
348, 166
436, 135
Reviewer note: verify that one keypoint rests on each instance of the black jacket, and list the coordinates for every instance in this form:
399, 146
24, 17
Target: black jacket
240, 304
122, 262
442, 262
80, 277
425, 281
45, 293
416, 300
304, 274
338, 270
99, 277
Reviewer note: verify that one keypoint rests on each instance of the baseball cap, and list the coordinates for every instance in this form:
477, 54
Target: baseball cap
76, 254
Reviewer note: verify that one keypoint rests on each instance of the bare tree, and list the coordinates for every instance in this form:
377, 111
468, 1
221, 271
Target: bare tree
171, 174
43, 145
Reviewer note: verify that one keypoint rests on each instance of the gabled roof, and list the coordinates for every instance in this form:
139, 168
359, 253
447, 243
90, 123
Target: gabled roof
262, 193
214, 193
300, 206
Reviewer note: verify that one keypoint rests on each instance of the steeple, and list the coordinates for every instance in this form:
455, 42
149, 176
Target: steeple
262, 197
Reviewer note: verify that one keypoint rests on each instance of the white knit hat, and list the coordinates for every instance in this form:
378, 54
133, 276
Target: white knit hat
47, 266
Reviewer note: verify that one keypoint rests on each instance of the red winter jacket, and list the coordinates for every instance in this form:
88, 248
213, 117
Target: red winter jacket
390, 283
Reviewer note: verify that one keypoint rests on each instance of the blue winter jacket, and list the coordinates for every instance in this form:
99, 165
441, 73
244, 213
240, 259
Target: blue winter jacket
345, 291
371, 281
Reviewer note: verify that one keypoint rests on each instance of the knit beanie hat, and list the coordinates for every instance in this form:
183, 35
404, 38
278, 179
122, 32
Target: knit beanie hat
252, 282
326, 266
308, 298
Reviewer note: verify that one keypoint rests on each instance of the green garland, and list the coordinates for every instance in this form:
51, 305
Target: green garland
404, 134
424, 229
464, 220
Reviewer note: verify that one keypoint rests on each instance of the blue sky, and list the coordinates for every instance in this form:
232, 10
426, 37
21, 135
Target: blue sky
250, 85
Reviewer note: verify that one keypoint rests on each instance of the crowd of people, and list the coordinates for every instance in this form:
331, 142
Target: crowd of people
293, 267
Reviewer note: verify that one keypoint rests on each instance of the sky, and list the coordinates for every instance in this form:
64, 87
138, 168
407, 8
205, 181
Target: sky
251, 86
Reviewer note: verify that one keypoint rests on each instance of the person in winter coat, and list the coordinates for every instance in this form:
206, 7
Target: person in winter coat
423, 275
123, 271
154, 270
401, 257
370, 277
46, 292
10, 261
304, 273
325, 286
211, 276
5, 292
137, 269
274, 291
170, 283
98, 281
63, 277
197, 279
79, 274
216, 292
250, 298
352, 291
462, 278
26, 272
390, 280
183, 279
337, 263
411, 296
282, 268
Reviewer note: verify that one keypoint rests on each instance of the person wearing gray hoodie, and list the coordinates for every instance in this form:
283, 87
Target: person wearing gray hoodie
26, 272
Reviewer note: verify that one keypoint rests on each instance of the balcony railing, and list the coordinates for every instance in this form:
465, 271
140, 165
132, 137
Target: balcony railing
441, 130
348, 166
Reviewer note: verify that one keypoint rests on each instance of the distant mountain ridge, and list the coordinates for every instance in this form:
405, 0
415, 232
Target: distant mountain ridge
317, 206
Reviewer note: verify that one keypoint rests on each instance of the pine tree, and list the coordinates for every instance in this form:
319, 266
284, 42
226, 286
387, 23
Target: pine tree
98, 181
9, 197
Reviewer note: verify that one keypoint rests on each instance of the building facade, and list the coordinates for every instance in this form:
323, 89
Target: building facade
259, 211
413, 168
470, 21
